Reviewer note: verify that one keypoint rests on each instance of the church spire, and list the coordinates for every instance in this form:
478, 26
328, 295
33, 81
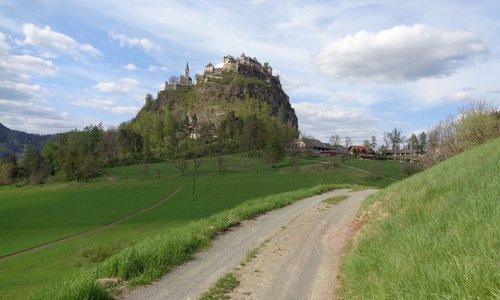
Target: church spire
186, 71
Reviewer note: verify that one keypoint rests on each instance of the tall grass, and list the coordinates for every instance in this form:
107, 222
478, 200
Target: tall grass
151, 258
433, 235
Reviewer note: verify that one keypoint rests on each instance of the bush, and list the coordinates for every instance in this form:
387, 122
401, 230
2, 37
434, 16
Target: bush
412, 168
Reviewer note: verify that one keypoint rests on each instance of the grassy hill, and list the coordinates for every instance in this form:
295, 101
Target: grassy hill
433, 235
34, 215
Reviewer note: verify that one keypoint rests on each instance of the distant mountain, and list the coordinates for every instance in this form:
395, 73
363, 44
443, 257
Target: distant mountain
16, 142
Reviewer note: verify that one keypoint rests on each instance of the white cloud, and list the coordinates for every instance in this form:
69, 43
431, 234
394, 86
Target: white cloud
142, 43
15, 74
399, 54
18, 90
106, 105
4, 47
160, 86
22, 67
124, 85
323, 121
461, 95
33, 118
90, 49
292, 84
124, 110
48, 39
157, 68
130, 67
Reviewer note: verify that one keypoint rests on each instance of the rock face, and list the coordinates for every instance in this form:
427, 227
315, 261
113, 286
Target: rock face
216, 93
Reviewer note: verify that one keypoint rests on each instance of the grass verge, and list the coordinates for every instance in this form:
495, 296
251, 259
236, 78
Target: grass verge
224, 285
336, 199
151, 258
433, 235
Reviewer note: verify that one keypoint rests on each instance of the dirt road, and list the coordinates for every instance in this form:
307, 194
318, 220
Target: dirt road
299, 260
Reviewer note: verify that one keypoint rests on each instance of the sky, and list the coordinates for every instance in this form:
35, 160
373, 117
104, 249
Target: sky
351, 68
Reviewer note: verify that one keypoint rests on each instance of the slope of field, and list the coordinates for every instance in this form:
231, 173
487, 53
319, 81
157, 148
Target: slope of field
433, 235
35, 215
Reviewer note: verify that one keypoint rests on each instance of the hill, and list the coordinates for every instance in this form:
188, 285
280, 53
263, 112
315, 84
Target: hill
238, 107
220, 90
16, 142
433, 235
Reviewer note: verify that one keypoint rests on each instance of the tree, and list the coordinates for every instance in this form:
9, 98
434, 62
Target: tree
395, 138
173, 79
477, 123
130, 141
335, 140
282, 114
413, 142
373, 143
366, 143
170, 140
34, 166
422, 141
347, 141
274, 151
250, 133
110, 146
181, 165
197, 164
149, 100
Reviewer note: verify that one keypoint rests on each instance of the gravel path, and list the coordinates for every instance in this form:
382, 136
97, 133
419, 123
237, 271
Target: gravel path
193, 278
301, 260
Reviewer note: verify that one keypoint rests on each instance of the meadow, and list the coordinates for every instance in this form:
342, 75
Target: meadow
434, 235
31, 216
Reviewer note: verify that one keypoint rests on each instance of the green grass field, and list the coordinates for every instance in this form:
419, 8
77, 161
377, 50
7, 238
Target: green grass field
435, 235
31, 216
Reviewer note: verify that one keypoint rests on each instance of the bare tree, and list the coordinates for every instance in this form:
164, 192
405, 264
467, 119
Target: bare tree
347, 141
197, 165
335, 140
173, 79
373, 143
181, 165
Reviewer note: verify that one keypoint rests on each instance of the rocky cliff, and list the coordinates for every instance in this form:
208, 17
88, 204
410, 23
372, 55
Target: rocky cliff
213, 96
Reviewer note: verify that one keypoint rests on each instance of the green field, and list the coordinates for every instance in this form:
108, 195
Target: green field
435, 235
32, 216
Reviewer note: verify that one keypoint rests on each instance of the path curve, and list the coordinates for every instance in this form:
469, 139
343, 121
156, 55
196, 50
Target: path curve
193, 278
89, 231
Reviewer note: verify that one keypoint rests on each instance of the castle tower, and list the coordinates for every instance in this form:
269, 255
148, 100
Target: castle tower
186, 80
186, 71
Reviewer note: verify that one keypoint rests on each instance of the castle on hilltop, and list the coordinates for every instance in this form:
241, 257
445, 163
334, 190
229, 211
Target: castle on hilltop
230, 64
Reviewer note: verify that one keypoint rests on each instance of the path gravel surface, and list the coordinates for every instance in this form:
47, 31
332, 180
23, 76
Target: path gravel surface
298, 260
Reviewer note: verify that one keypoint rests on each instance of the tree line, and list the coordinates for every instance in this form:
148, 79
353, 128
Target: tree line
156, 135
474, 124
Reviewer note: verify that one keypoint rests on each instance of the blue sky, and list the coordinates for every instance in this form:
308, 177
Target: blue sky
353, 68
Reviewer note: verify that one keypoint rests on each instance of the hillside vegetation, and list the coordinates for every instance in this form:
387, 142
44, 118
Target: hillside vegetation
13, 142
433, 235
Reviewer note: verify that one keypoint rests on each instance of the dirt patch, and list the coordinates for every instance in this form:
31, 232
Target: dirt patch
110, 177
